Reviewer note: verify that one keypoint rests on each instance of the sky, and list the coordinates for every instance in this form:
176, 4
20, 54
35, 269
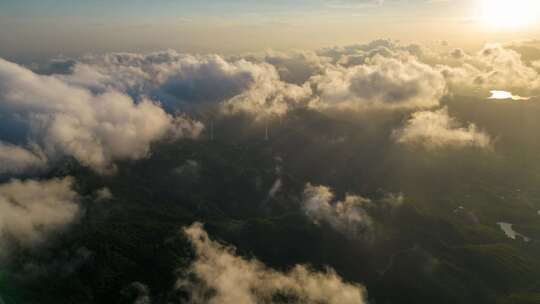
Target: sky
383, 95
31, 29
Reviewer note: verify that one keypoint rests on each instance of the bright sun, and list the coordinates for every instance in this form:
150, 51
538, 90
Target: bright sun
509, 14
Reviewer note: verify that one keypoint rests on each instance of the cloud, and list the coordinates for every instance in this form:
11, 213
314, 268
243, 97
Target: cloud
183, 81
276, 187
378, 74
536, 64
32, 210
436, 129
297, 66
17, 160
506, 95
97, 129
382, 74
225, 278
56, 66
381, 83
348, 216
270, 97
360, 53
103, 194
211, 78
495, 67
174, 78
457, 54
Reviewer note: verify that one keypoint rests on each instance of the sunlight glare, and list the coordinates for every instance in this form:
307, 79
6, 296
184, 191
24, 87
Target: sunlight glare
506, 95
509, 14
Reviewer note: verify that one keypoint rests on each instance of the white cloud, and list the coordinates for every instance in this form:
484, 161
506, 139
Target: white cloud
495, 67
536, 65
297, 66
96, 129
382, 74
31, 210
225, 278
185, 81
506, 95
381, 83
348, 216
435, 129
16, 160
269, 97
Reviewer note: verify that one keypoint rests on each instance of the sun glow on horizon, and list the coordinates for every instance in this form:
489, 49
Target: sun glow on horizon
509, 14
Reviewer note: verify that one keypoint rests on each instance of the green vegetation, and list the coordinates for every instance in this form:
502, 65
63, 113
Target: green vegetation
441, 246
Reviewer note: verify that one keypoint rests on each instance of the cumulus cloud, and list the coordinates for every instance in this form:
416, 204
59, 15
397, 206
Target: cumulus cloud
210, 78
297, 66
185, 81
435, 129
17, 160
172, 77
348, 216
94, 128
536, 64
506, 95
382, 74
495, 67
336, 53
225, 278
269, 96
357, 54
382, 83
31, 210
457, 53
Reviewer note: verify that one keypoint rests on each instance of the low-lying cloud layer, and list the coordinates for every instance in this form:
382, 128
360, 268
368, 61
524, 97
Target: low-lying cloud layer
102, 109
436, 129
66, 120
225, 278
351, 111
103, 99
31, 210
380, 82
382, 73
16, 160
348, 216
495, 67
